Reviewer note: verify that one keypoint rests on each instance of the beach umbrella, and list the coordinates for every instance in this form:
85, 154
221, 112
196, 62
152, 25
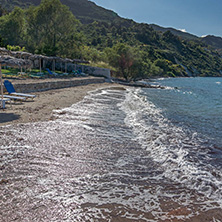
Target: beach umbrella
25, 55
40, 65
54, 59
33, 57
67, 61
4, 51
40, 57
53, 66
14, 62
37, 57
61, 66
80, 61
1, 83
20, 55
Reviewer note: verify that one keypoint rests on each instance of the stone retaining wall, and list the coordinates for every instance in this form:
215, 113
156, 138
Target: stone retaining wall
57, 84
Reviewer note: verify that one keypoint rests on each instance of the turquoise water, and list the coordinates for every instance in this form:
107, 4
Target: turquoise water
181, 126
195, 103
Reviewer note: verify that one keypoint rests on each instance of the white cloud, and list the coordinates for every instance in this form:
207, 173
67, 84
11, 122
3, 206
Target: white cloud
203, 36
183, 30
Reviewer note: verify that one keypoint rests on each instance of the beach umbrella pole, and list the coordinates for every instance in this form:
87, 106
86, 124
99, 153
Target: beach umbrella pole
1, 80
3, 102
40, 66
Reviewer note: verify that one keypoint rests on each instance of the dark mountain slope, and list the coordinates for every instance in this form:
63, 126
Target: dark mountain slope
84, 10
87, 12
165, 51
214, 41
184, 35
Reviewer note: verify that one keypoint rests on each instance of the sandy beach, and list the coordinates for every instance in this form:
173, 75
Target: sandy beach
85, 160
40, 109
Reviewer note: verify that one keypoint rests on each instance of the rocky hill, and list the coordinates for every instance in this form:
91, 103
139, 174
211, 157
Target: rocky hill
84, 10
87, 12
184, 35
214, 41
103, 35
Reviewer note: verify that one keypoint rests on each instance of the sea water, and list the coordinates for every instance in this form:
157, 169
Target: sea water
119, 155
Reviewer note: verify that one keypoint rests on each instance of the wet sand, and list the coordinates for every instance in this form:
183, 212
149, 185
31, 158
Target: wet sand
32, 175
41, 108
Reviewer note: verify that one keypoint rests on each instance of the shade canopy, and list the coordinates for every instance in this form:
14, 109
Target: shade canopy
13, 62
19, 54
30, 56
15, 59
4, 51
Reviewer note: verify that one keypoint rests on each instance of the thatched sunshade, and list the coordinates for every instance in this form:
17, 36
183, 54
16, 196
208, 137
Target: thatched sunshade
33, 57
38, 57
20, 55
54, 59
13, 62
4, 51
23, 55
80, 61
67, 61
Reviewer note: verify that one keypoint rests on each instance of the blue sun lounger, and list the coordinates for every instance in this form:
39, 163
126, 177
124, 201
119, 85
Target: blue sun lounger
14, 97
11, 90
51, 73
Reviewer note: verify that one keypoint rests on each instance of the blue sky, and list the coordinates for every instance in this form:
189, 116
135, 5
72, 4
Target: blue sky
199, 17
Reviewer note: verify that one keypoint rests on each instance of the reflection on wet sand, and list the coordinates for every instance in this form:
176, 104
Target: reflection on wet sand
87, 166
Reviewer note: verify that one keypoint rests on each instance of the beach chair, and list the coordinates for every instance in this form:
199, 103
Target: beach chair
79, 73
15, 98
37, 75
11, 90
51, 73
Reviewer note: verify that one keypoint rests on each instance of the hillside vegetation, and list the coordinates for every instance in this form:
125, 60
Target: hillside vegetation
210, 40
87, 12
130, 49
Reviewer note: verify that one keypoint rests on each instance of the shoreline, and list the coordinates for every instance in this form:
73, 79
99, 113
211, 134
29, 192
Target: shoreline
41, 108
56, 163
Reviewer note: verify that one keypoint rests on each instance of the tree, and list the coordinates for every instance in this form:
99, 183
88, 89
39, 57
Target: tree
128, 61
121, 57
51, 28
12, 27
169, 37
2, 11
